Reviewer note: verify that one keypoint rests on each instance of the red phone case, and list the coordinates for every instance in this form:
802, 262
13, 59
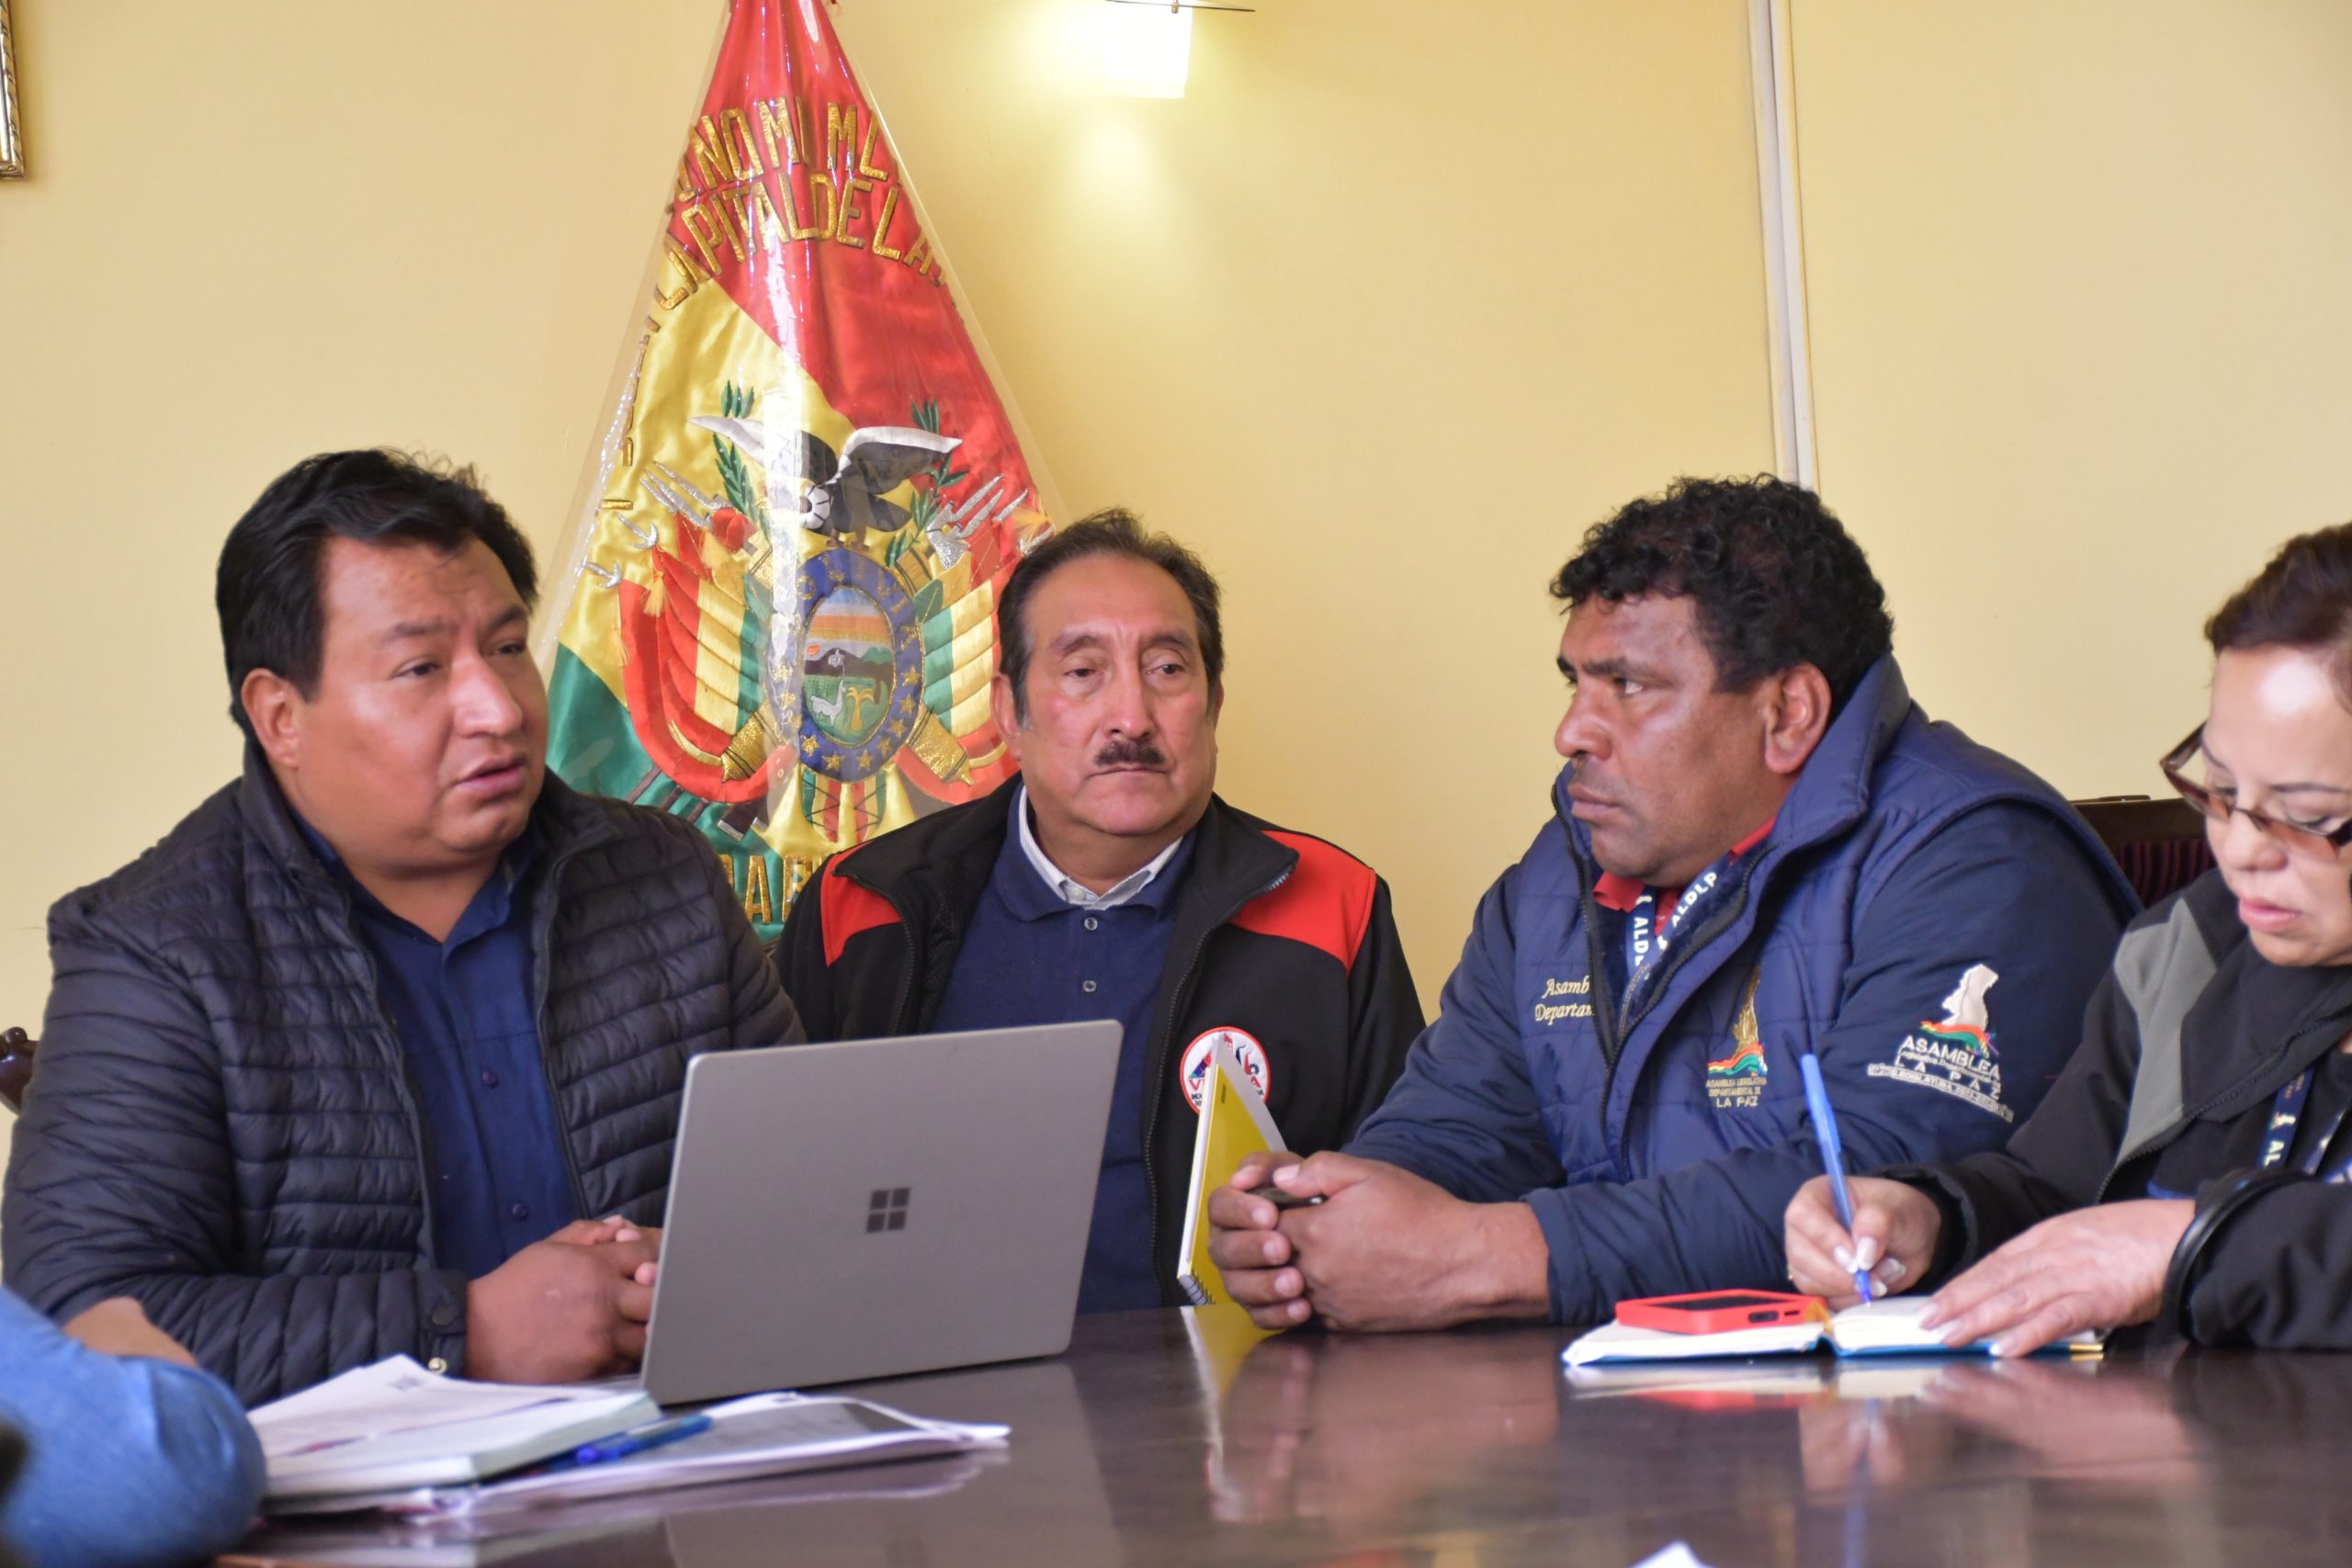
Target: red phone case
1748, 1309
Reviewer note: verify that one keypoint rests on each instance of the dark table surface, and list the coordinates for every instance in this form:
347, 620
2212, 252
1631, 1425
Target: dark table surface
1155, 1439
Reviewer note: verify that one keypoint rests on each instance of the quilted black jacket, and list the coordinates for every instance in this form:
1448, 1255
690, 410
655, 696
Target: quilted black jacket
222, 1123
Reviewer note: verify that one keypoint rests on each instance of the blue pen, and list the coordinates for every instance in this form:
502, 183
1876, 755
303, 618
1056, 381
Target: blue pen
1833, 1157
634, 1441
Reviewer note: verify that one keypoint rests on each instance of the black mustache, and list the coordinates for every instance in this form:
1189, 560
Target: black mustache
1130, 754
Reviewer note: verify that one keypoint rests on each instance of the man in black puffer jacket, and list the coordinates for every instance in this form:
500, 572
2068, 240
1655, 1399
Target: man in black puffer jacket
380, 1049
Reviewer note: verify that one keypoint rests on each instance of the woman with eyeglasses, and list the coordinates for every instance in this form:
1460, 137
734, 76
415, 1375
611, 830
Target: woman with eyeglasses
2190, 1163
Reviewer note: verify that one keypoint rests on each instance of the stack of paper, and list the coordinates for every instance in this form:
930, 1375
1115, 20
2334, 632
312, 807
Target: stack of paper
1623, 1342
768, 1434
1890, 1325
395, 1425
394, 1437
1758, 1380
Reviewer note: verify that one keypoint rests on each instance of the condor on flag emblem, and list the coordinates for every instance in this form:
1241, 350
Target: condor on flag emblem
781, 623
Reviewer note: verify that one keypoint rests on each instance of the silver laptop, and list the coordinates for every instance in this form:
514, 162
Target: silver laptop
877, 1207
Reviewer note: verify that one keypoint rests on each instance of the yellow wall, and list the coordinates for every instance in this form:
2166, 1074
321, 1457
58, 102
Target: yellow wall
1396, 301
1379, 317
2082, 340
256, 230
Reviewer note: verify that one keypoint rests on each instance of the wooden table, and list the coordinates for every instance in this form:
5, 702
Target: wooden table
1146, 1444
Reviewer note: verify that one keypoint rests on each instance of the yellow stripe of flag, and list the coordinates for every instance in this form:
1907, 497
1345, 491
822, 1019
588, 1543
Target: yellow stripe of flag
718, 658
969, 713
974, 609
970, 663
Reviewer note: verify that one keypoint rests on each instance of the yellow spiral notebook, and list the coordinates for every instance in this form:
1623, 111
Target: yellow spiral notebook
1234, 1125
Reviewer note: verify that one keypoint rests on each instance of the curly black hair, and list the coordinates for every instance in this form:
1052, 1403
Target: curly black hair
1777, 581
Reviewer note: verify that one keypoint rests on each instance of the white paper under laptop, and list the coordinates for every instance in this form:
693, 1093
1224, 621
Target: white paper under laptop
877, 1207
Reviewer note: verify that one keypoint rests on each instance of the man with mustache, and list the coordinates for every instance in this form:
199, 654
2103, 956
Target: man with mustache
380, 1051
1108, 880
1763, 849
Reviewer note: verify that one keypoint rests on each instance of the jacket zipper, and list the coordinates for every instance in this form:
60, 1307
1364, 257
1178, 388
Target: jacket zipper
1157, 1068
1725, 918
2172, 1135
410, 1102
1604, 1007
543, 924
1614, 1034
409, 1098
1613, 1038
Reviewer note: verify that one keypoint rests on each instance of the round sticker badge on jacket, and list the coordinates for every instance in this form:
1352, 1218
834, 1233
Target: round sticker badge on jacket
1194, 1071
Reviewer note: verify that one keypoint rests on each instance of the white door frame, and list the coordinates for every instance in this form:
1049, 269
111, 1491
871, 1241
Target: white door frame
1795, 456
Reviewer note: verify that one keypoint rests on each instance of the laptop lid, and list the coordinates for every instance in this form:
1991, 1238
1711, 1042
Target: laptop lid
877, 1207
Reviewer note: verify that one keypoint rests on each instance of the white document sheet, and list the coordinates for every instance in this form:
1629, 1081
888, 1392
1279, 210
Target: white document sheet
768, 1434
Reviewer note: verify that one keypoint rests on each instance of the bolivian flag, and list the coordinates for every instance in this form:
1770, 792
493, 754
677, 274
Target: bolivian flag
781, 623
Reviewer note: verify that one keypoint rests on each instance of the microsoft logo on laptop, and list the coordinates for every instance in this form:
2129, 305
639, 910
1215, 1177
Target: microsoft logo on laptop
887, 1211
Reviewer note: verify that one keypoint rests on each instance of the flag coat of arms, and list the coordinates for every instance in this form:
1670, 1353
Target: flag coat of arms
782, 624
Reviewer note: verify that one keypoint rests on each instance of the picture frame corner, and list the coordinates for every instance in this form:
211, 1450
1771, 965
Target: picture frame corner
12, 143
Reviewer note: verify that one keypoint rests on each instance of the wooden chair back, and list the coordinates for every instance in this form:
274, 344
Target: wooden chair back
2160, 844
16, 1067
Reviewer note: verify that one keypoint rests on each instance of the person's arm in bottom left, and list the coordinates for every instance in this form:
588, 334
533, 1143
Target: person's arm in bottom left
133, 1460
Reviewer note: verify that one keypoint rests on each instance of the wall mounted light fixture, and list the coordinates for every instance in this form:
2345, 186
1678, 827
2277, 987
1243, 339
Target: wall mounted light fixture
1147, 46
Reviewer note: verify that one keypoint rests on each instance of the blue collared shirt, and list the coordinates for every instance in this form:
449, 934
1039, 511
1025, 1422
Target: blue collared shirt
465, 1010
1041, 950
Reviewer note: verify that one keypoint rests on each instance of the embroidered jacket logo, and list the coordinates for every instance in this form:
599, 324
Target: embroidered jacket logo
1736, 1082
1954, 1055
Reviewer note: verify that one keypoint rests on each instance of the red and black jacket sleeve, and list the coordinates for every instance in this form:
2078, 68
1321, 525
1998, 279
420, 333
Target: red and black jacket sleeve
1330, 908
840, 955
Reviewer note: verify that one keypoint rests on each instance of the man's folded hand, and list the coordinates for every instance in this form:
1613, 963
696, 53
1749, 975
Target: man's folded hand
563, 1310
1251, 1255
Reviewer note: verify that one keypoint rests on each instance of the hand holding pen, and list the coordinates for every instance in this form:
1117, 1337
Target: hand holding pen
1889, 1241
1833, 1162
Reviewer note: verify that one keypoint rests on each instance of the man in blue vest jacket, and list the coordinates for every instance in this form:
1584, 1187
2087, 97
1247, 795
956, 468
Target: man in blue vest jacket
1762, 847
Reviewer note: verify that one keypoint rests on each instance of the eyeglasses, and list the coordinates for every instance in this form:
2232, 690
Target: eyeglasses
2289, 836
